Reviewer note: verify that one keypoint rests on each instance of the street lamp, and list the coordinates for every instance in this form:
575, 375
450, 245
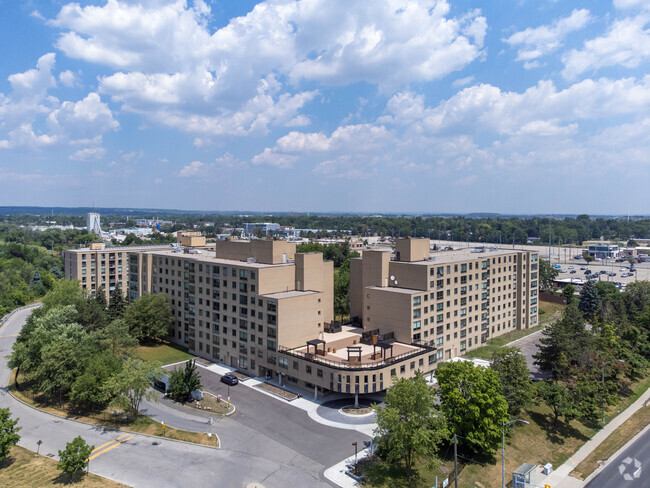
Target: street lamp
503, 448
355, 457
604, 363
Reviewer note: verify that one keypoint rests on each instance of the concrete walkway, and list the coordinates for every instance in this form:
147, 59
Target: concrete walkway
560, 478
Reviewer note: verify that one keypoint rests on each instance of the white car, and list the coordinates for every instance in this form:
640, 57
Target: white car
622, 269
570, 267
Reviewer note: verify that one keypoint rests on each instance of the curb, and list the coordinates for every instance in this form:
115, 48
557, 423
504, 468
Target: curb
234, 409
114, 430
611, 458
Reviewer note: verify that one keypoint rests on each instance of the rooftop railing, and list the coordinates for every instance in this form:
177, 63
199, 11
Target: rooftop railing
356, 365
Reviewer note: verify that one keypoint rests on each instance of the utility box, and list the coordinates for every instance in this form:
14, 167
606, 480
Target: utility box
548, 469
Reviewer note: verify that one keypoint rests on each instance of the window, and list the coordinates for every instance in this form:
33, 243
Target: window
416, 325
417, 300
283, 362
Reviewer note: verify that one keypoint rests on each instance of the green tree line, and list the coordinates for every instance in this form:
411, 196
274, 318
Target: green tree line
81, 350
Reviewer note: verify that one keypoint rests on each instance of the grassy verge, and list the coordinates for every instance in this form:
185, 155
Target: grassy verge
24, 469
164, 353
552, 312
617, 439
111, 418
493, 345
537, 443
549, 312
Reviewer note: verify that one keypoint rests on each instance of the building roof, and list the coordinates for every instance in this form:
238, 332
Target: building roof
209, 257
149, 247
288, 294
395, 289
457, 255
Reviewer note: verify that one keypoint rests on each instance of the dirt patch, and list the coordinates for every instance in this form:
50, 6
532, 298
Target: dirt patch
361, 410
288, 395
212, 404
204, 362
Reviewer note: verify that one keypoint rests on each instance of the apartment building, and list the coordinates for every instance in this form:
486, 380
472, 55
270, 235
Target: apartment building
451, 300
235, 304
261, 307
98, 266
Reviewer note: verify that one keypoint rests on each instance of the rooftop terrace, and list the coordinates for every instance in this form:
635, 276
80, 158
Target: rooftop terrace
349, 349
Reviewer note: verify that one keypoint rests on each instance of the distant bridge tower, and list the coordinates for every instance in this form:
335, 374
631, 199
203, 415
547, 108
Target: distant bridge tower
92, 224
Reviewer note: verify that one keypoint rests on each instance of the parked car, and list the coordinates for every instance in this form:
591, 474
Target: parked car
229, 379
571, 267
573, 271
583, 267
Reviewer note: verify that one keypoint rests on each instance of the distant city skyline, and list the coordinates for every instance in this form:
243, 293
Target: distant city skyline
519, 107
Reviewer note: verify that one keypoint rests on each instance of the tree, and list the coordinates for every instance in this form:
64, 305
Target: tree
563, 342
88, 389
182, 382
100, 298
91, 315
513, 373
74, 457
149, 317
36, 279
471, 399
56, 272
587, 257
557, 398
8, 432
116, 338
632, 243
547, 274
569, 292
117, 304
408, 425
132, 239
589, 301
132, 384
63, 293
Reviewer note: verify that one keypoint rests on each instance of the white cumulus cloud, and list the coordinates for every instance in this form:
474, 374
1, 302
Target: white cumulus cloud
533, 43
627, 43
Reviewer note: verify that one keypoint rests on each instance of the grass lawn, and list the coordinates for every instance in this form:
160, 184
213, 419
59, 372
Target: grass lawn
164, 352
111, 418
617, 439
25, 469
552, 312
537, 443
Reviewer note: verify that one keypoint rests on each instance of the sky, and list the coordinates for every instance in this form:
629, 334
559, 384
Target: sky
420, 106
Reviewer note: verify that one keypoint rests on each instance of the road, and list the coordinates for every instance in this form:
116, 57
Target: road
611, 476
528, 346
147, 462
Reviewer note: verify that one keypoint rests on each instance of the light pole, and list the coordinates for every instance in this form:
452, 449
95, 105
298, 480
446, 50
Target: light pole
503, 448
355, 457
604, 363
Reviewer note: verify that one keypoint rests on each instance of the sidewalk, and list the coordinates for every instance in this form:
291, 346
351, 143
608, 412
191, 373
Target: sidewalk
560, 478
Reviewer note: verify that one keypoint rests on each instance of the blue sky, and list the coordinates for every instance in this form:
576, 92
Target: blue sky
512, 106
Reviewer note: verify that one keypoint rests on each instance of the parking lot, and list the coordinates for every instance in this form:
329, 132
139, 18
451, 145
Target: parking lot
603, 270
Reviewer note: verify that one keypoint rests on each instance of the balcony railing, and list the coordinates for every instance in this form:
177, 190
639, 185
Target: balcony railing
356, 366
